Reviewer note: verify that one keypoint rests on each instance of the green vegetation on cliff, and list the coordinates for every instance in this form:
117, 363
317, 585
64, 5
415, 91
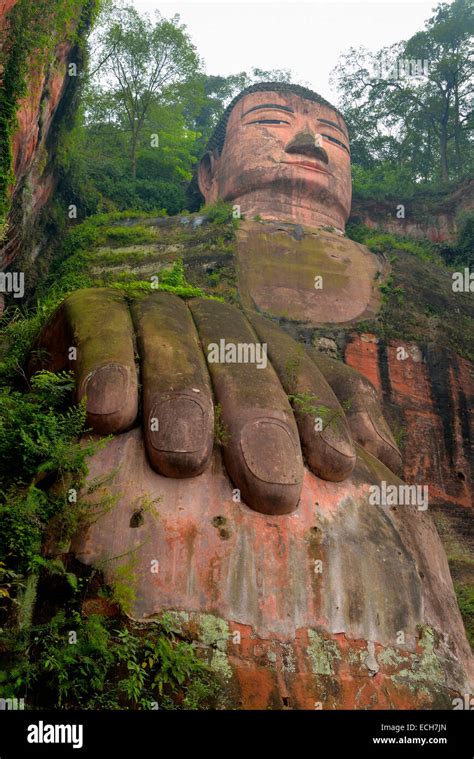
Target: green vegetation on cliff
77, 661
143, 252
418, 302
29, 38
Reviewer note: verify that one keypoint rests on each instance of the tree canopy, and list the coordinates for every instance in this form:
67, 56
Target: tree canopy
409, 106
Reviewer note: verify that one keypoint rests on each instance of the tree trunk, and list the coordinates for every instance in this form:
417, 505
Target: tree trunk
457, 130
443, 146
133, 154
443, 142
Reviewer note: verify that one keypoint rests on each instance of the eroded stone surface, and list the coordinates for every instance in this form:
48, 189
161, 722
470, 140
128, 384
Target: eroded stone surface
350, 572
46, 87
434, 392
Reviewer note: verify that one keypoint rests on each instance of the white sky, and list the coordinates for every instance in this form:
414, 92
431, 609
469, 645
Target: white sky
306, 37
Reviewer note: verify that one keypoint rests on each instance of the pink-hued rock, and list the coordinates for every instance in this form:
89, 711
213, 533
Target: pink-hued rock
6, 5
318, 587
296, 170
434, 392
46, 87
426, 218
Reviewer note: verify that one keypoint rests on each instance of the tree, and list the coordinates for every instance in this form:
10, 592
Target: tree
141, 61
412, 102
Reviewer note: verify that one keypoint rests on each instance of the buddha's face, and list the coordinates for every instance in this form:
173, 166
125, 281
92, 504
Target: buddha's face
284, 157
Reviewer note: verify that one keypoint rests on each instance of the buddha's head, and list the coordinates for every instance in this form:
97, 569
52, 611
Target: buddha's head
280, 151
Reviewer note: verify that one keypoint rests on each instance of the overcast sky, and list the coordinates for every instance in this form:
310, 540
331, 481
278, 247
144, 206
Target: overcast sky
306, 37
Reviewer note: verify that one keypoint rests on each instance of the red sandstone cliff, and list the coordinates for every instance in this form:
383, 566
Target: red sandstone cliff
431, 392
430, 218
33, 143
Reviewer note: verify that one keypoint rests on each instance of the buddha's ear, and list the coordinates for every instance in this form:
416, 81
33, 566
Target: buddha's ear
207, 172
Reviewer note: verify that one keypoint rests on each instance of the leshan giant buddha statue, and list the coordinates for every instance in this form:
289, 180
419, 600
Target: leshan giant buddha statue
268, 549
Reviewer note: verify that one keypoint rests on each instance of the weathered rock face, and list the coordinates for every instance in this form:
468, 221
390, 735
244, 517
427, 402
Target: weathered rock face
306, 275
433, 219
429, 392
48, 87
5, 6
338, 605
434, 392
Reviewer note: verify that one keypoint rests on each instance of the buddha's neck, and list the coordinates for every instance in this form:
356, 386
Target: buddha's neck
279, 207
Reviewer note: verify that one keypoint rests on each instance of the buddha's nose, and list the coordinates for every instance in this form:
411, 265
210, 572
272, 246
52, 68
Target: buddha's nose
307, 143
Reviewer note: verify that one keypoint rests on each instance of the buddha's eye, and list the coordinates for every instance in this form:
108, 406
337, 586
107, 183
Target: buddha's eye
336, 141
268, 121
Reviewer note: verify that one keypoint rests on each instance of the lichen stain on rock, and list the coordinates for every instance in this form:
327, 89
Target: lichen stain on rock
425, 670
214, 632
322, 653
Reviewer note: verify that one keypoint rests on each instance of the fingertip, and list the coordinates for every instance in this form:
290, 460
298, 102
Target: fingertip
331, 465
111, 393
264, 460
391, 457
376, 438
179, 432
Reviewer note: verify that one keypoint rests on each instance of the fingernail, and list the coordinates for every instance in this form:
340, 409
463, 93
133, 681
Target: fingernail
178, 424
270, 452
106, 389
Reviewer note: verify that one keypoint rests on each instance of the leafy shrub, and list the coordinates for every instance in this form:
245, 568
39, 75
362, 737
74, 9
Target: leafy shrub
171, 280
385, 242
461, 252
465, 597
141, 194
36, 435
383, 180
135, 235
38, 440
219, 212
107, 668
465, 236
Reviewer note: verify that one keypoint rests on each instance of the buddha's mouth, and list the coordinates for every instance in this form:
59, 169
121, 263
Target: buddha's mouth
311, 165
